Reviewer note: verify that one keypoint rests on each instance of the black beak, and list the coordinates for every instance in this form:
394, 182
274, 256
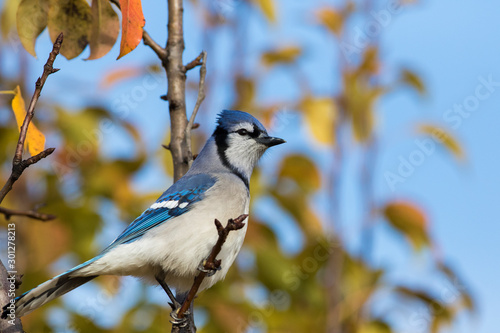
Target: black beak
269, 141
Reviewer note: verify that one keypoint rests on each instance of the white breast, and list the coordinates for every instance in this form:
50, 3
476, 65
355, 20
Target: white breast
179, 245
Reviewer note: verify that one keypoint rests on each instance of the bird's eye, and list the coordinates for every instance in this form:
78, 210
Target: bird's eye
242, 131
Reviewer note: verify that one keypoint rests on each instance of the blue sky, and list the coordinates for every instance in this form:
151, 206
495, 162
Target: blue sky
454, 46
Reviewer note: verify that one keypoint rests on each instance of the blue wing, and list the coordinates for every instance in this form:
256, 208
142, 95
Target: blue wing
175, 201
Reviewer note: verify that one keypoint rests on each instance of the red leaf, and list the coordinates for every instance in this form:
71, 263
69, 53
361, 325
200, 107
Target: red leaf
132, 24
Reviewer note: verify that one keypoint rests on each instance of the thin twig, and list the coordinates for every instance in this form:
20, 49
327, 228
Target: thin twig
17, 170
201, 90
196, 62
18, 165
30, 213
149, 41
199, 100
211, 263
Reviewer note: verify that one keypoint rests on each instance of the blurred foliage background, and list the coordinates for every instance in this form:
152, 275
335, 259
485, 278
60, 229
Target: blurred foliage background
299, 270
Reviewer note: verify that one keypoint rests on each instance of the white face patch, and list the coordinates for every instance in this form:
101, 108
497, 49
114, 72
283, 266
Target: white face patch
243, 153
165, 204
247, 126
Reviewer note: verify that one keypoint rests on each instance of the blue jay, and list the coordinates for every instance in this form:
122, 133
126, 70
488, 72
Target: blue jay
169, 240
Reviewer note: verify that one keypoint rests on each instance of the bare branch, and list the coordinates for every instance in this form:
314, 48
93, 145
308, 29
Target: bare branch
18, 166
18, 169
176, 94
211, 262
17, 163
149, 41
199, 100
201, 90
30, 213
196, 62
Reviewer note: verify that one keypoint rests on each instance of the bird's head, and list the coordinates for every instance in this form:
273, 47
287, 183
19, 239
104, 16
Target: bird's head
241, 140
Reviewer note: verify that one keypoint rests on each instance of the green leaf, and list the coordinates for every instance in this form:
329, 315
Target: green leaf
31, 21
104, 30
408, 220
72, 18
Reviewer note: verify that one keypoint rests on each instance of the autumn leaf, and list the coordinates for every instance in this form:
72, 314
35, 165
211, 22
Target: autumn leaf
245, 93
132, 24
267, 7
104, 30
119, 74
331, 19
285, 55
411, 79
409, 220
31, 21
303, 171
358, 101
8, 17
320, 115
35, 140
443, 137
72, 18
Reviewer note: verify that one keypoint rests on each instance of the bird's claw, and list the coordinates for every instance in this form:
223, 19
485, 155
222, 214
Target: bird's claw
208, 271
181, 322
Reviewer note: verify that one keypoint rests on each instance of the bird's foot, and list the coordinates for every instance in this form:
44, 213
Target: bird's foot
181, 322
210, 270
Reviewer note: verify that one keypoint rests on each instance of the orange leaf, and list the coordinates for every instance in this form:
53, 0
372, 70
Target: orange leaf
119, 74
35, 140
132, 24
104, 29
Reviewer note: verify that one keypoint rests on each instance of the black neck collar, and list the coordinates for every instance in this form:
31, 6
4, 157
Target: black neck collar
220, 136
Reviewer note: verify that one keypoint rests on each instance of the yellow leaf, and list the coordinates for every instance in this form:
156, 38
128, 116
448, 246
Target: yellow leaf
358, 101
285, 55
303, 171
245, 92
320, 115
332, 19
267, 7
35, 140
8, 17
442, 136
409, 220
413, 80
